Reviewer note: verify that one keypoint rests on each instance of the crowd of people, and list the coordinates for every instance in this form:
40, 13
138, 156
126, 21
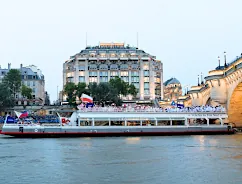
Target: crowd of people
35, 119
206, 108
124, 108
2, 119
145, 108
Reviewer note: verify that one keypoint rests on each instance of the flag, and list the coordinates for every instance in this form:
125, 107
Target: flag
173, 103
180, 106
89, 105
10, 119
21, 115
64, 120
86, 99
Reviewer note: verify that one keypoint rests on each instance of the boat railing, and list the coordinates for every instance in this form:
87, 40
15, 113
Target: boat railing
149, 110
33, 124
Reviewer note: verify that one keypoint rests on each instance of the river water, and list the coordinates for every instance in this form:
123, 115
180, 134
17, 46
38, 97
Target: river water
126, 160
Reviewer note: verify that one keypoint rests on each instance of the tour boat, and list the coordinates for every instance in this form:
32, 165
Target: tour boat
129, 123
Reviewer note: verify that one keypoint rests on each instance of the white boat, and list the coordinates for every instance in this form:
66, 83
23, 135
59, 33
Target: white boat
89, 123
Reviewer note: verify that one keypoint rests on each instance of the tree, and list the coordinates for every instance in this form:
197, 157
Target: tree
103, 93
81, 87
132, 90
123, 88
26, 92
13, 81
106, 92
70, 90
119, 85
6, 97
93, 90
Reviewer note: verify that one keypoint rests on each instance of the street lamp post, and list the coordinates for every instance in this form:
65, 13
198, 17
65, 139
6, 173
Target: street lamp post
198, 80
225, 63
201, 78
218, 62
57, 97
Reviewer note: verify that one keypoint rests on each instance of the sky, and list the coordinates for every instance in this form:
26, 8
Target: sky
187, 36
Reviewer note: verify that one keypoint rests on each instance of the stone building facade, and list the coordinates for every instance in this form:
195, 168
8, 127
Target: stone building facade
172, 90
33, 78
108, 60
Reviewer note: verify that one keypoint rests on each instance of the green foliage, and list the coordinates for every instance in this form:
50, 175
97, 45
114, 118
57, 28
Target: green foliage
132, 90
9, 87
81, 87
93, 89
102, 93
122, 87
119, 85
105, 93
26, 92
6, 98
70, 90
13, 81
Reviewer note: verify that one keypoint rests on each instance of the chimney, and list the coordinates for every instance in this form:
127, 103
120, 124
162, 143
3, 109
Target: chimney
21, 66
9, 66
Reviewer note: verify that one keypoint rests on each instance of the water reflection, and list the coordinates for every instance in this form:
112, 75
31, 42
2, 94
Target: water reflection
132, 140
87, 144
201, 140
213, 142
237, 157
